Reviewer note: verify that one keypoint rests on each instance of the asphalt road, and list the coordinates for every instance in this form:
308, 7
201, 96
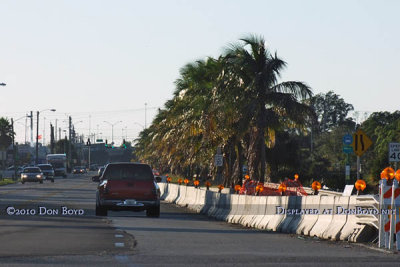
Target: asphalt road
177, 238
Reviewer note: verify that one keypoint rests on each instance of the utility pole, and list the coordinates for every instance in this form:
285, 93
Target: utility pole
89, 125
69, 145
37, 138
112, 130
44, 131
31, 117
52, 143
145, 115
88, 143
13, 146
55, 134
26, 122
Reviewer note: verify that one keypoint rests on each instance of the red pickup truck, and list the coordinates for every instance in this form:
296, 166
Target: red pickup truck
128, 186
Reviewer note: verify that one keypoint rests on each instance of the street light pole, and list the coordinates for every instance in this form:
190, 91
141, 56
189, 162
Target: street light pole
112, 130
37, 138
37, 134
13, 145
145, 115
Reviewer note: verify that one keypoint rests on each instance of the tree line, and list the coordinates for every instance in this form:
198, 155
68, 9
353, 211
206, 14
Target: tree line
238, 105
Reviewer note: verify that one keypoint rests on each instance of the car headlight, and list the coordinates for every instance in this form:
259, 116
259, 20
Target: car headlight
24, 176
39, 176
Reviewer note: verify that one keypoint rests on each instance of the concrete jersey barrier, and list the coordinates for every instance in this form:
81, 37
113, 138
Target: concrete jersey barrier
339, 219
265, 212
308, 221
327, 204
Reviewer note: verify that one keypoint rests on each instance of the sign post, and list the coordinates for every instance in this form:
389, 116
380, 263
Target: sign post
394, 153
88, 143
347, 149
361, 142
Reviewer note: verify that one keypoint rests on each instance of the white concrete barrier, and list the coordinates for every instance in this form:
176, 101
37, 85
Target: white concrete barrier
234, 207
261, 211
200, 200
173, 192
223, 207
190, 195
224, 191
182, 195
368, 202
239, 210
308, 221
179, 195
270, 211
327, 204
339, 218
207, 202
256, 213
248, 212
276, 217
350, 227
191, 201
163, 190
292, 220
214, 203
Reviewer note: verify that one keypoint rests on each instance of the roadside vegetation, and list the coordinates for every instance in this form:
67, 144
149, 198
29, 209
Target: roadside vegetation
237, 104
7, 181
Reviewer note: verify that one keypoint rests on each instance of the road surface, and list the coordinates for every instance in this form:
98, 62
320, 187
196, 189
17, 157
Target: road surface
178, 238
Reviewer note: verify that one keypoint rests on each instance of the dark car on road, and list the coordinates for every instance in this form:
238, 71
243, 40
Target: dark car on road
128, 186
79, 170
47, 171
32, 174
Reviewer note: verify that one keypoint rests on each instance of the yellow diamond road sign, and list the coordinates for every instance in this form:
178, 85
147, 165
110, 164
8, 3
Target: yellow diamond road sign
361, 142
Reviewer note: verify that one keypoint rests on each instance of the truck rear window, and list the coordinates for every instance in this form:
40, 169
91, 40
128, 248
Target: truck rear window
128, 172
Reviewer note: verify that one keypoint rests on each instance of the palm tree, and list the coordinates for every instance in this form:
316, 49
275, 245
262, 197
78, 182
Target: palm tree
270, 103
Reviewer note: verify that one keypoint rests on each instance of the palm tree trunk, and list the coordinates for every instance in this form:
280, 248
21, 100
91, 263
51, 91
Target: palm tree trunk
253, 154
261, 125
240, 162
263, 156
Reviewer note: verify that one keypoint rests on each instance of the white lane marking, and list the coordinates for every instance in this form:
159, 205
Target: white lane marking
125, 260
122, 258
119, 236
119, 245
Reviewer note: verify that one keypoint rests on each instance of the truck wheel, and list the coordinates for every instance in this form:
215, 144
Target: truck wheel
52, 180
41, 182
22, 182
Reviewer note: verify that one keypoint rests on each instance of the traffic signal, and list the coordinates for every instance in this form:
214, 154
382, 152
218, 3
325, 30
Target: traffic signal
123, 144
106, 144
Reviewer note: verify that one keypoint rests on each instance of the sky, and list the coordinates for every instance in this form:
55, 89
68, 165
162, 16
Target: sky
117, 61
